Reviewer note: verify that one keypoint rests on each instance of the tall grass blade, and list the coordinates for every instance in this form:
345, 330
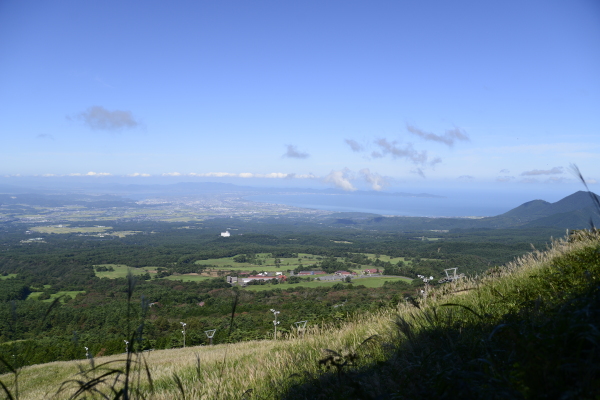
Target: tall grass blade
179, 385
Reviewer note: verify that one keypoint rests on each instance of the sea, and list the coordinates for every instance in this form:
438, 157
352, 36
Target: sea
463, 204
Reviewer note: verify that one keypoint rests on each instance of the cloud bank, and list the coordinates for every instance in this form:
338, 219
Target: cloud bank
272, 175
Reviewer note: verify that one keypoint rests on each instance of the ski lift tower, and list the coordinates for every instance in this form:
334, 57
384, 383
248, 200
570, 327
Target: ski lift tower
451, 277
209, 334
300, 325
453, 274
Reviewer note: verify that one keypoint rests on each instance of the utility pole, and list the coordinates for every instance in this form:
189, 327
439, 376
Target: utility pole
426, 280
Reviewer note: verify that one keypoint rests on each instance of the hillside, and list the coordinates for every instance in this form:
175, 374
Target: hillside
506, 334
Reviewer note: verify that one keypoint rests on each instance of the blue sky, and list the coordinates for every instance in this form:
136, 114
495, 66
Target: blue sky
377, 95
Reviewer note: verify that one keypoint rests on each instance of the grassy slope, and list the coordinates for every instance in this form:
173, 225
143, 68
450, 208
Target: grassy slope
528, 330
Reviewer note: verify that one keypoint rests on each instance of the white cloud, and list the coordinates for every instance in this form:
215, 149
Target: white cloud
137, 174
91, 173
276, 175
271, 175
376, 181
340, 179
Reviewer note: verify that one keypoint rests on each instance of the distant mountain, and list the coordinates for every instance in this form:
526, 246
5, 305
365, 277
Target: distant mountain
573, 212
536, 209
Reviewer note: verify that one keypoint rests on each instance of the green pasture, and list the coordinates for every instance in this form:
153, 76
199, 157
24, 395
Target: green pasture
372, 282
384, 258
122, 234
120, 271
268, 263
72, 293
8, 276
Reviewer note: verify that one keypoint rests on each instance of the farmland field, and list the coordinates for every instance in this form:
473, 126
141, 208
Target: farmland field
72, 293
268, 262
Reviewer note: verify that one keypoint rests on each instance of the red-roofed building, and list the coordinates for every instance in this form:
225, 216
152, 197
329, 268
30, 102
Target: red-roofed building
370, 271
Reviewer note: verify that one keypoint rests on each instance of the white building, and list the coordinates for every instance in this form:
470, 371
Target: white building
225, 234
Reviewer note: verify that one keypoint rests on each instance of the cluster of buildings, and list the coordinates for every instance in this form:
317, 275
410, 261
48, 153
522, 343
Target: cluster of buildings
263, 276
266, 276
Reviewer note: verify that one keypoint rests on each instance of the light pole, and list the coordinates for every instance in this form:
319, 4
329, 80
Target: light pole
275, 322
426, 280
209, 334
87, 353
183, 324
126, 346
